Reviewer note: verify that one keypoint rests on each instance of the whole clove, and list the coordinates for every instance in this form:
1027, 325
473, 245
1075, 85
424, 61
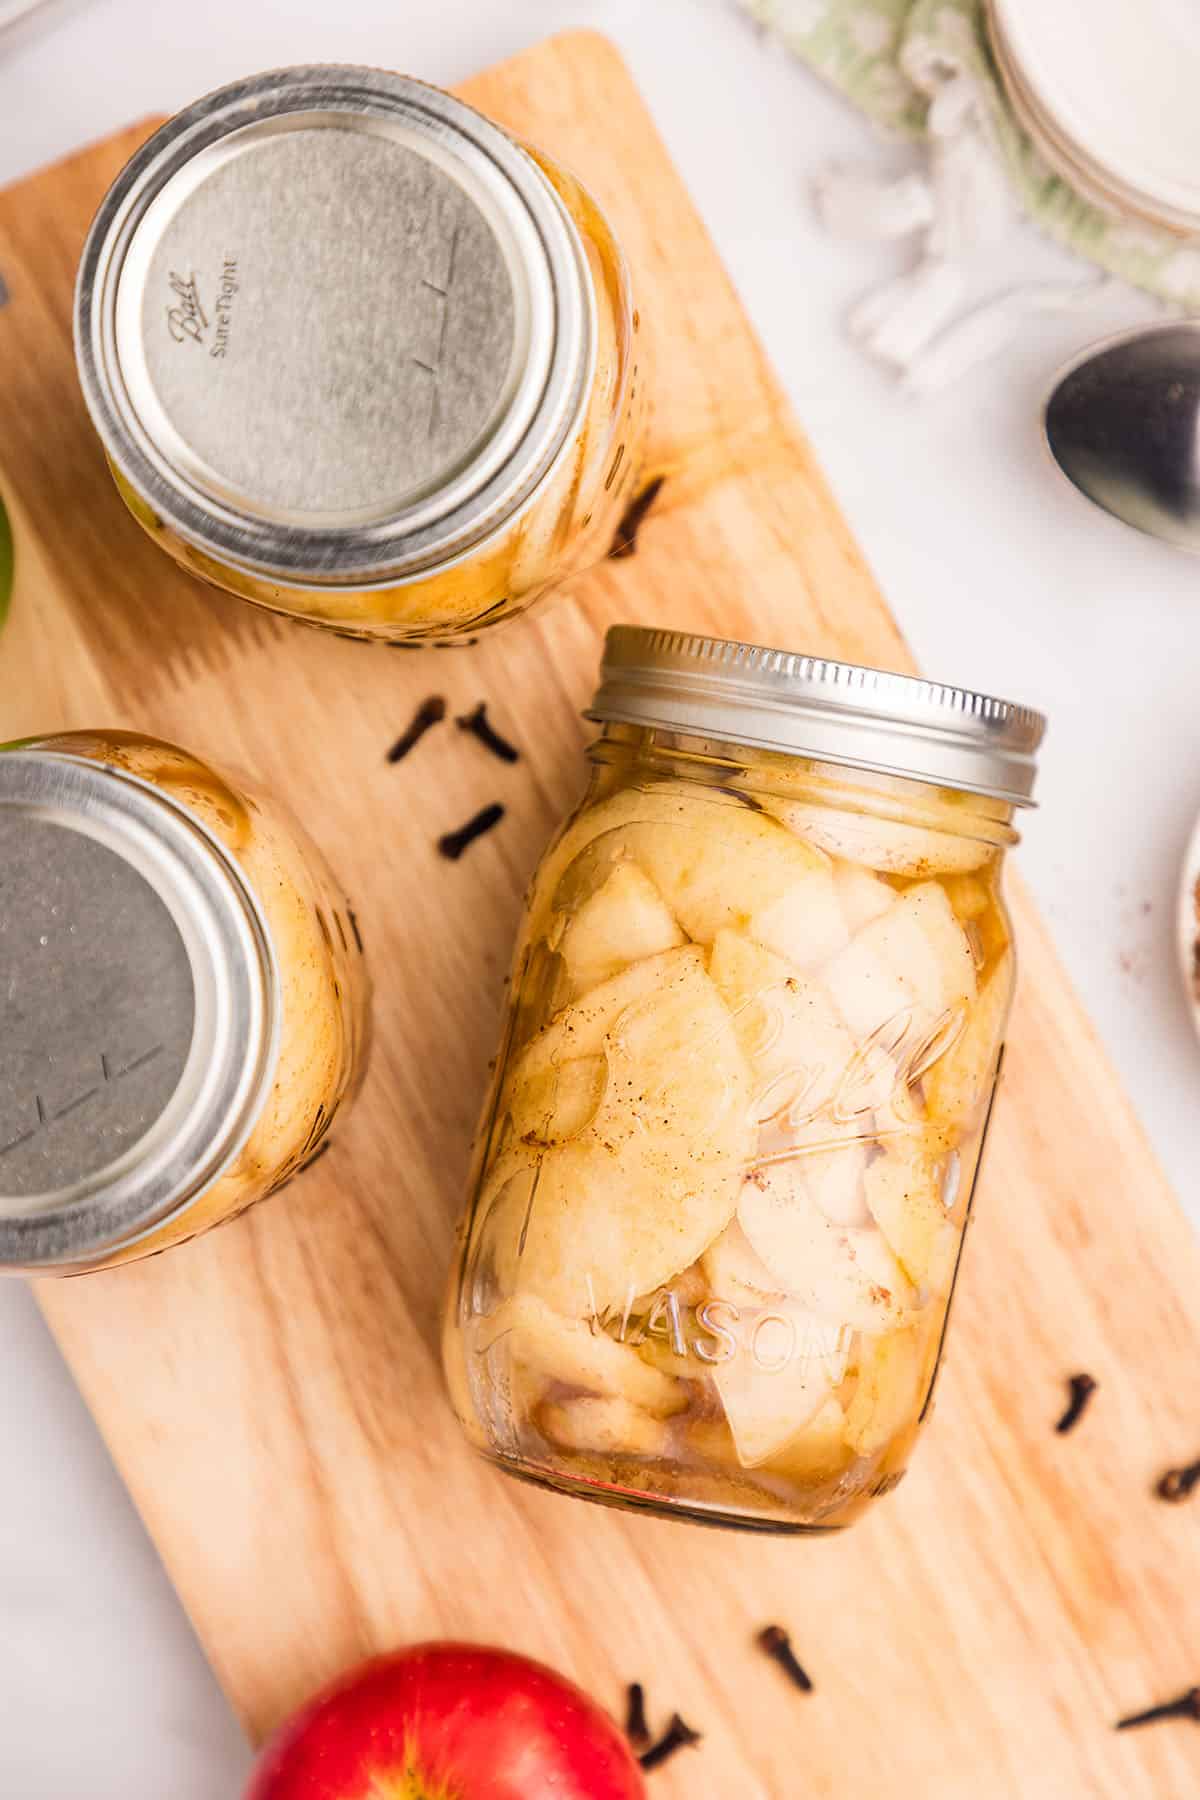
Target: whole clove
677, 1736
1082, 1388
625, 540
430, 712
454, 843
636, 1728
480, 726
1187, 1706
778, 1646
1177, 1484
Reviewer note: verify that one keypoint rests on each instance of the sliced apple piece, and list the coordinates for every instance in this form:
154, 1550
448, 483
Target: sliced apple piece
958, 1084
798, 1049
661, 1352
906, 973
559, 1078
862, 895
889, 846
573, 1353
659, 1325
714, 861
968, 895
888, 1391
805, 924
904, 1194
603, 1427
820, 1452
626, 921
831, 1160
788, 1360
654, 1178
577, 863
734, 1271
727, 866
553, 1102
768, 1407
992, 933
675, 1067
606, 1225
581, 1028
841, 1272
924, 942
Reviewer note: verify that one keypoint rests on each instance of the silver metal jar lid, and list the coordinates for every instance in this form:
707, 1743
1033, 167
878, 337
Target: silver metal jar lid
807, 706
332, 325
141, 1009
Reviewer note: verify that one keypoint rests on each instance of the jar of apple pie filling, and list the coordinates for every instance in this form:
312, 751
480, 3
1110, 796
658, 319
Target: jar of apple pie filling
757, 1011
358, 356
185, 1000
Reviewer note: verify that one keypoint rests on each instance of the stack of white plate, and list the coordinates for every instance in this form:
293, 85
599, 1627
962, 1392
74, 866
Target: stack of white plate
1109, 91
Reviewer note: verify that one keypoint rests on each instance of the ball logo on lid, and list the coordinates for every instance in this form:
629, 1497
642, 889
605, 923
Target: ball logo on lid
187, 320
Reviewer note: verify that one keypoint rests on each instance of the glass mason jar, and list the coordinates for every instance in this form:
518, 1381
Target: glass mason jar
186, 1000
757, 1009
358, 356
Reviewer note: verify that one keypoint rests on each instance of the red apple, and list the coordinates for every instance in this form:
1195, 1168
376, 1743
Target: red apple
449, 1722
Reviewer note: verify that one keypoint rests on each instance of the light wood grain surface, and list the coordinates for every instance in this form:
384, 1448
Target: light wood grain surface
272, 1395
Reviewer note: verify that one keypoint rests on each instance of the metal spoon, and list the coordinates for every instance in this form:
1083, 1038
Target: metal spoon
1123, 424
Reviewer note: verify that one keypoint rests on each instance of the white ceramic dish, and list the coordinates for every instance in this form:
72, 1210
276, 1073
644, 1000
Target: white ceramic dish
1110, 93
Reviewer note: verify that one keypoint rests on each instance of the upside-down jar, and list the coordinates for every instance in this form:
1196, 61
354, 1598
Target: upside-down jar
757, 1011
185, 1000
358, 356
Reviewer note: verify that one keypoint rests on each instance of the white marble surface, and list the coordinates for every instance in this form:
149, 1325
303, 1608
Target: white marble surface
1000, 577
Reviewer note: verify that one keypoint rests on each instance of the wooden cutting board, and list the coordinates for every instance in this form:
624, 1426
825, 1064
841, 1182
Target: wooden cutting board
271, 1394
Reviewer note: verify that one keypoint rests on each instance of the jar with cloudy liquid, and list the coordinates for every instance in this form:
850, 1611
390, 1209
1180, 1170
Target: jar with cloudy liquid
757, 1012
358, 356
186, 1001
